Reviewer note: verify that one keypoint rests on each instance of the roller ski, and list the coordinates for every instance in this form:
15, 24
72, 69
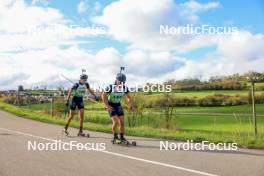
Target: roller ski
65, 131
123, 141
82, 134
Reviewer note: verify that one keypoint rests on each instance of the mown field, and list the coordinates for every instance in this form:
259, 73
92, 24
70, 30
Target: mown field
204, 93
196, 128
230, 124
233, 119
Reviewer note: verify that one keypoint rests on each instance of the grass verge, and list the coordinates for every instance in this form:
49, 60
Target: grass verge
243, 139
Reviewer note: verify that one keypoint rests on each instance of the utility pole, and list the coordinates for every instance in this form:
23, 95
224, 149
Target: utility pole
252, 79
254, 108
51, 106
18, 98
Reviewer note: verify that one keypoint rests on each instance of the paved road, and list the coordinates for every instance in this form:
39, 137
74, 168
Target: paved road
144, 160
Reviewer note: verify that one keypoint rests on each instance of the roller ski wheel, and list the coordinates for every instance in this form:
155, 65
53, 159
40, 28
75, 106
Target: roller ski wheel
128, 143
116, 141
82, 134
134, 143
125, 142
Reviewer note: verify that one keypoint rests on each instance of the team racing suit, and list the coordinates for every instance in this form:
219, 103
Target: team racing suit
115, 95
78, 92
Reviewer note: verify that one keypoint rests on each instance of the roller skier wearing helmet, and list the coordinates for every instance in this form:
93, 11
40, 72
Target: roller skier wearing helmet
112, 96
78, 91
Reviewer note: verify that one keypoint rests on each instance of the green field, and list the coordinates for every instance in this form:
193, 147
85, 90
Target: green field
237, 123
247, 109
197, 128
38, 106
222, 109
232, 123
204, 93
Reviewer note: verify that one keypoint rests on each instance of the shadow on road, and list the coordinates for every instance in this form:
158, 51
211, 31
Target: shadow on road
5, 134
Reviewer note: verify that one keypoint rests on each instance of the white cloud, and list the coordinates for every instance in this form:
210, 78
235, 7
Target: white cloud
42, 65
17, 18
16, 78
20, 30
192, 7
195, 6
242, 46
82, 7
148, 59
142, 29
238, 53
233, 55
150, 64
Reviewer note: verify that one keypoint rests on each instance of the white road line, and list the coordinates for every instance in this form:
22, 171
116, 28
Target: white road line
121, 155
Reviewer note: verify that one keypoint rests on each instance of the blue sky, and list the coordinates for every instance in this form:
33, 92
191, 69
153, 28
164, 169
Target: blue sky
246, 14
132, 39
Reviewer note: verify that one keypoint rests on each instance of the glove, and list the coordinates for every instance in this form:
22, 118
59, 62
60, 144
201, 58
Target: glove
67, 103
96, 98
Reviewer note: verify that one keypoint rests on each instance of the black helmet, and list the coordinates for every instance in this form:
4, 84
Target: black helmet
121, 77
83, 76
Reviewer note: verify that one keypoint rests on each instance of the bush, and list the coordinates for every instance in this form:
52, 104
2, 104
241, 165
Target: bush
59, 107
260, 88
213, 100
259, 98
10, 100
185, 101
235, 100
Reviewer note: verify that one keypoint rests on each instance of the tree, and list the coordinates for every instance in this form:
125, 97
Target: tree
167, 104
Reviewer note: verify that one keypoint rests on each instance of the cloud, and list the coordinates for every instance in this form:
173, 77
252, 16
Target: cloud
142, 29
239, 53
14, 80
82, 7
192, 7
233, 55
242, 46
20, 30
195, 6
17, 20
149, 58
17, 17
150, 64
44, 65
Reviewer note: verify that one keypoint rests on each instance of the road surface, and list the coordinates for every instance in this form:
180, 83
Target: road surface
146, 159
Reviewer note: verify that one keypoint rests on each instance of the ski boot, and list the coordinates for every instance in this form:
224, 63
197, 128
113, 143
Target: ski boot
65, 131
116, 140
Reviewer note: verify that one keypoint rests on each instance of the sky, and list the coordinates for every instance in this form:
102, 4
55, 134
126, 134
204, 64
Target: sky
44, 39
